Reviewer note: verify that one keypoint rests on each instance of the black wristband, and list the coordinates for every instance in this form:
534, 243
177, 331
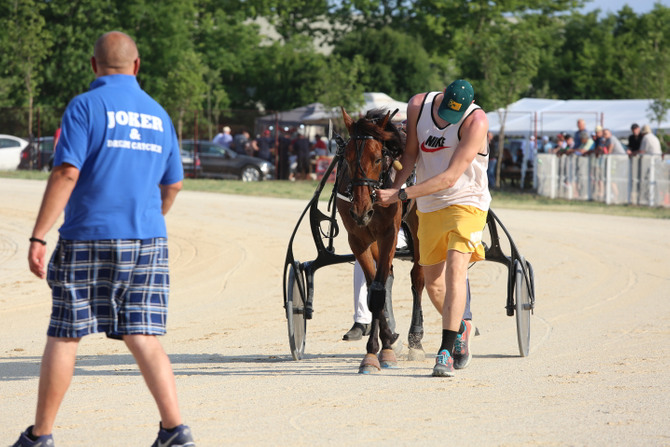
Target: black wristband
41, 241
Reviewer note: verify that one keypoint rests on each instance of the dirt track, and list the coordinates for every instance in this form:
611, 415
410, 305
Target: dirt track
598, 372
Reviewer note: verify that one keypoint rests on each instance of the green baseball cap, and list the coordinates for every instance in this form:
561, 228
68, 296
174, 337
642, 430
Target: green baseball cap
457, 98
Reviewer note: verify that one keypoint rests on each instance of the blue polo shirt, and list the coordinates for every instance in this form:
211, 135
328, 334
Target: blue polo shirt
124, 145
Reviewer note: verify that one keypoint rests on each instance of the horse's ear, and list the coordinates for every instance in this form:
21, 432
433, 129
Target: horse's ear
386, 120
348, 121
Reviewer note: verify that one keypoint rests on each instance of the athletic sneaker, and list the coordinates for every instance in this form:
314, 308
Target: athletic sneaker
41, 441
444, 365
462, 354
179, 437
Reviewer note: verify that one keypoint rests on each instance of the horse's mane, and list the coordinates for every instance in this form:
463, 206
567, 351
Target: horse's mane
392, 137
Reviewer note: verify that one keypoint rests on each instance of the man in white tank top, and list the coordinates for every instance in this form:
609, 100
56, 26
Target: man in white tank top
447, 141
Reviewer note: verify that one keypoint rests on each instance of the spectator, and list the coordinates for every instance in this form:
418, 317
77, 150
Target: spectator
649, 143
527, 160
284, 152
241, 143
612, 143
319, 147
109, 271
547, 146
301, 148
585, 144
600, 148
493, 159
634, 140
262, 146
223, 138
581, 127
560, 143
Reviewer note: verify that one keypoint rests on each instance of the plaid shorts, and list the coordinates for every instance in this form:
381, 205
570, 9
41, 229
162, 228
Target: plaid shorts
117, 286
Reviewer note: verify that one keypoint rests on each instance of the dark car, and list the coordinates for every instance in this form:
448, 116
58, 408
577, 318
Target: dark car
38, 154
212, 160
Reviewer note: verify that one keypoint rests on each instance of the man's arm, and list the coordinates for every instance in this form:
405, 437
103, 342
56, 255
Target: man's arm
61, 182
410, 154
168, 194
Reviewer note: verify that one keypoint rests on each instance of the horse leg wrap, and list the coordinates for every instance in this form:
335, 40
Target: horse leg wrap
388, 304
377, 296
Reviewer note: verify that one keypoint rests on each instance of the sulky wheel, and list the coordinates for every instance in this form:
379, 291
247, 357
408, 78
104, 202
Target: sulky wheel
295, 310
522, 301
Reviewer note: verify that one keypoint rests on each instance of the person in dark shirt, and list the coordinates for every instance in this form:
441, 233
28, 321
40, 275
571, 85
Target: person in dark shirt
301, 148
634, 140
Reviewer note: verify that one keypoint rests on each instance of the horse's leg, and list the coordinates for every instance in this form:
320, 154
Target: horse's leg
370, 363
416, 351
380, 299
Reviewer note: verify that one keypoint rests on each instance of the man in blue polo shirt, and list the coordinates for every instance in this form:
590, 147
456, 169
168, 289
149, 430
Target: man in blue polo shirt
116, 174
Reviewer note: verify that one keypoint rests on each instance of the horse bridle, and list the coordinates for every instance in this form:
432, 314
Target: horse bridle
362, 180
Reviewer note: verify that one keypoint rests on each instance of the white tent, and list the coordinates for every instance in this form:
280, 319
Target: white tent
372, 100
530, 116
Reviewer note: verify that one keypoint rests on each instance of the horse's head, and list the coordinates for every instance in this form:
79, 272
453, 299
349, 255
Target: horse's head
374, 143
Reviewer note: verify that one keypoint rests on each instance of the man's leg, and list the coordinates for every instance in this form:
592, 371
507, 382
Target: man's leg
446, 284
455, 298
434, 276
56, 373
361, 311
157, 372
362, 315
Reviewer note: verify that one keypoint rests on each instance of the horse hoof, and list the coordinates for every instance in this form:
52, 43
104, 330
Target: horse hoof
387, 359
416, 355
369, 365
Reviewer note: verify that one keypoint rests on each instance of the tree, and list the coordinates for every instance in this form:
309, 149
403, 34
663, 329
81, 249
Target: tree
28, 42
185, 87
393, 62
288, 75
75, 26
509, 57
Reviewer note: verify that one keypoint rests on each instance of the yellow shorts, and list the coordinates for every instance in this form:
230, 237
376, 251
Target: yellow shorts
456, 227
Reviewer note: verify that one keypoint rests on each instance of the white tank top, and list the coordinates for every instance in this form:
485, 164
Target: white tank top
436, 147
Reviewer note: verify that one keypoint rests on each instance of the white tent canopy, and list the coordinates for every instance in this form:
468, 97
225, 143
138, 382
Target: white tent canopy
316, 113
530, 116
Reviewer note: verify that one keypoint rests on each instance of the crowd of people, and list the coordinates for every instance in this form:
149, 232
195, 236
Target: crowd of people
520, 154
290, 150
601, 142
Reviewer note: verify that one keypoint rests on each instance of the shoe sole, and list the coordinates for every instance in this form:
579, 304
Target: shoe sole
438, 372
465, 363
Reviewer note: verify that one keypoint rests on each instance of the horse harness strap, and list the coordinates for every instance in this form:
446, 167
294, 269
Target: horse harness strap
374, 185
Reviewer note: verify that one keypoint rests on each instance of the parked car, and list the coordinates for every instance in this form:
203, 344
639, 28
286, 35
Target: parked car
38, 155
191, 169
10, 151
220, 162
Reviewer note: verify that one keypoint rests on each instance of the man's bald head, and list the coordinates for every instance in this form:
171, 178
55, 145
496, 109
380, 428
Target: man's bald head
115, 53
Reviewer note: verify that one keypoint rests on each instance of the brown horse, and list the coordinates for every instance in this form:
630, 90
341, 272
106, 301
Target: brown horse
369, 156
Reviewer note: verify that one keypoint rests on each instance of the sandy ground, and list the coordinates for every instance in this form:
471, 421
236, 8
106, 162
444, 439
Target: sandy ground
598, 372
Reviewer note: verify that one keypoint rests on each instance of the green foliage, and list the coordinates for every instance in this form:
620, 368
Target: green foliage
209, 55
394, 63
27, 41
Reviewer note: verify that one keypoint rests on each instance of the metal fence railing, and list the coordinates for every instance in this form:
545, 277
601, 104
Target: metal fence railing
611, 179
